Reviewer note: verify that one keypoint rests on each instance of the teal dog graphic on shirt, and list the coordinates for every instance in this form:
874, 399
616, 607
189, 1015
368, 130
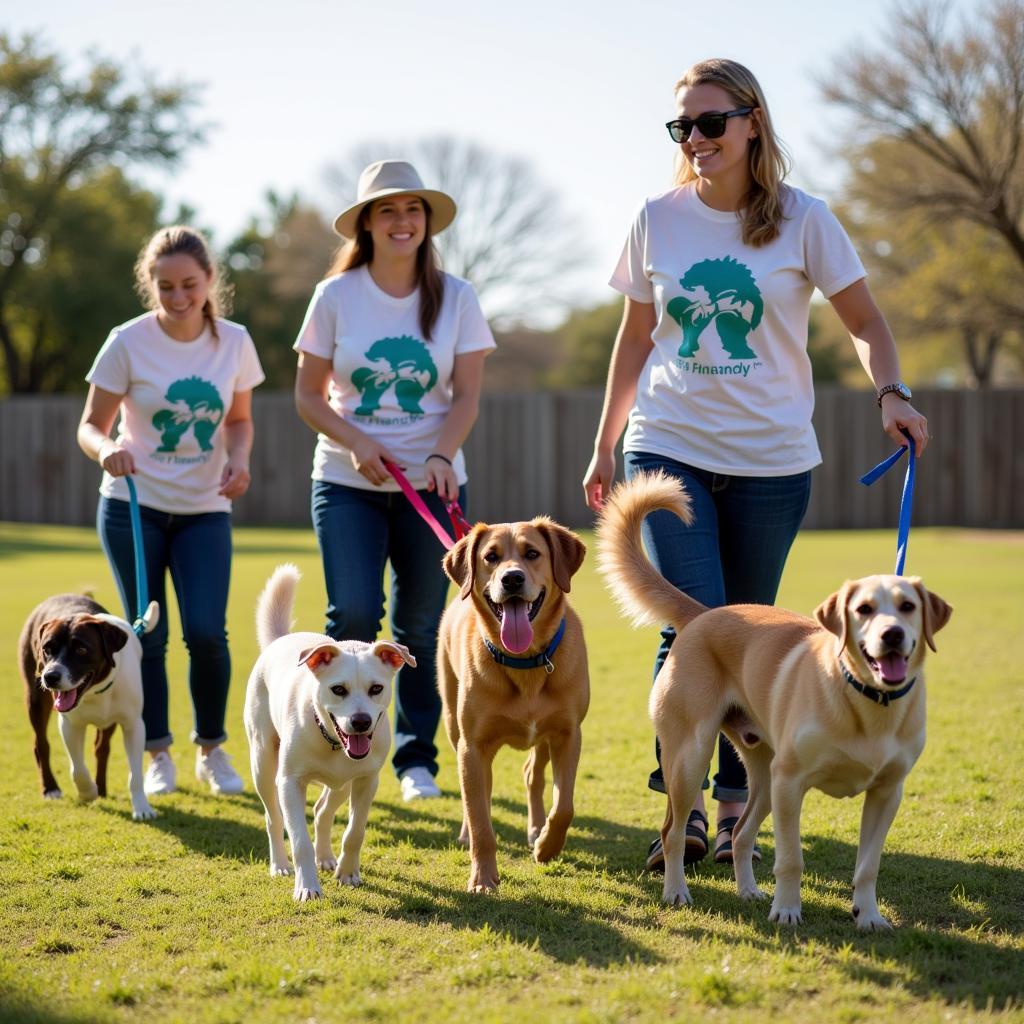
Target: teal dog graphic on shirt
722, 292
406, 365
197, 405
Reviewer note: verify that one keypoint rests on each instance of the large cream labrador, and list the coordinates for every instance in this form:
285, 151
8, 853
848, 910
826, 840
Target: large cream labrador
837, 704
316, 710
512, 670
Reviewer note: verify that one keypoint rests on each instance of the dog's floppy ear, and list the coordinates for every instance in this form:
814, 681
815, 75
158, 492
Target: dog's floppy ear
832, 613
42, 634
393, 654
567, 551
112, 637
935, 612
322, 654
460, 562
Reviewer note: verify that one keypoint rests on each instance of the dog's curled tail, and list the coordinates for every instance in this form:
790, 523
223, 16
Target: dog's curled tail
274, 607
643, 594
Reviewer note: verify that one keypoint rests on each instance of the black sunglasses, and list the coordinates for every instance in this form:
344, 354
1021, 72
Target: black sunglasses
711, 125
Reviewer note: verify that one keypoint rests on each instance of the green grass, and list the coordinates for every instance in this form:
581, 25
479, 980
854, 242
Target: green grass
177, 920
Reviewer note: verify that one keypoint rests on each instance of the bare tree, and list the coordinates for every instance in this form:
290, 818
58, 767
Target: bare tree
955, 95
512, 238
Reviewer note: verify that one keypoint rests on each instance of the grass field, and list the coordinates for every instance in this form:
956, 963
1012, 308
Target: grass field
177, 920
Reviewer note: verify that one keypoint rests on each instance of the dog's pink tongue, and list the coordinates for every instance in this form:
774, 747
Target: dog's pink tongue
64, 700
893, 667
516, 629
358, 744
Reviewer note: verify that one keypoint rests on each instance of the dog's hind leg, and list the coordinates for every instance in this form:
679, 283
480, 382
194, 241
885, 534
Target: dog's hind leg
684, 769
101, 749
364, 787
40, 707
263, 762
565, 758
759, 802
324, 810
533, 776
880, 807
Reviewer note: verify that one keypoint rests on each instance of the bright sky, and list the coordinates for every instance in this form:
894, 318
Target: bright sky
580, 89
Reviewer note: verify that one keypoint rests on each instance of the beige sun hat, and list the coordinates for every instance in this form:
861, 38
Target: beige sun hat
391, 178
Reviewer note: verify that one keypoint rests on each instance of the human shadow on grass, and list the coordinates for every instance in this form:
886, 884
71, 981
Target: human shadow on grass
931, 895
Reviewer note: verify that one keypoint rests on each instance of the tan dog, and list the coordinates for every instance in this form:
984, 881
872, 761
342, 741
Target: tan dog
837, 705
512, 670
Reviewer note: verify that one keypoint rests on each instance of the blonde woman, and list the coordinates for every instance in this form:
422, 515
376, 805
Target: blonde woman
181, 378
710, 366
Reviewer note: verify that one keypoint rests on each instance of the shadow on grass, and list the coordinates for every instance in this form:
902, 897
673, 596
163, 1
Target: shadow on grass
18, 1008
26, 546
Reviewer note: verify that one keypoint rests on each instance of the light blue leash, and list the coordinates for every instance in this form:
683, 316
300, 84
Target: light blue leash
906, 502
141, 583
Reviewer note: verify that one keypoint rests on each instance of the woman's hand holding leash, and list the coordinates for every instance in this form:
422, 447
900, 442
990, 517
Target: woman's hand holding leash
441, 477
368, 458
117, 461
899, 415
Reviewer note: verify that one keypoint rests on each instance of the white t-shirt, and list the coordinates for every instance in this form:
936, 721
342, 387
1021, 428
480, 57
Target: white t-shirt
176, 396
385, 379
727, 387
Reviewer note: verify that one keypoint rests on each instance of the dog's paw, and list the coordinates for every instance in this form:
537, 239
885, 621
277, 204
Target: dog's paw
548, 845
677, 897
52, 794
281, 870
144, 812
303, 894
785, 915
348, 878
328, 863
88, 794
532, 835
751, 892
871, 920
482, 880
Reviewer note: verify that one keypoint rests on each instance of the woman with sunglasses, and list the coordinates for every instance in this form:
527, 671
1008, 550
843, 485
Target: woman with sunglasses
710, 367
390, 365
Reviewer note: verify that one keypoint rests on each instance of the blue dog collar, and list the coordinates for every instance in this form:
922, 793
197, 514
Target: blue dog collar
544, 658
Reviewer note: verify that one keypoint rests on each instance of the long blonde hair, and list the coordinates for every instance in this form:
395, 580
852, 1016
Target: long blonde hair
429, 280
170, 242
762, 215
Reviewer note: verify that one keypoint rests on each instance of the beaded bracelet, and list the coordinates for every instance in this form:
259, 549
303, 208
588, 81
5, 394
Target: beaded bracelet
438, 455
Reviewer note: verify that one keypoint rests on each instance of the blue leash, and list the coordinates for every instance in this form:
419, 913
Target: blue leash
141, 583
906, 502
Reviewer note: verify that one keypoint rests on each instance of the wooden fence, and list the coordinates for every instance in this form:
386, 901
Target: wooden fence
528, 453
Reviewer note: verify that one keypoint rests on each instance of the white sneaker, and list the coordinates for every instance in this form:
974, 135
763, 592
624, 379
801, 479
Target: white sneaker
215, 768
161, 775
418, 784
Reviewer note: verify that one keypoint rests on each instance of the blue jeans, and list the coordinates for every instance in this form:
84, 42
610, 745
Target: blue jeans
734, 553
359, 530
197, 551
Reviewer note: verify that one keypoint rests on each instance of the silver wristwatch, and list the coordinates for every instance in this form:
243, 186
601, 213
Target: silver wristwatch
899, 388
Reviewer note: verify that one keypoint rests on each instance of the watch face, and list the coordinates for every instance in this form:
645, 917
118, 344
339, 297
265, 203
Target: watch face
902, 390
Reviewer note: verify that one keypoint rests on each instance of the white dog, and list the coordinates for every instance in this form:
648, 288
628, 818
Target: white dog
316, 709
86, 663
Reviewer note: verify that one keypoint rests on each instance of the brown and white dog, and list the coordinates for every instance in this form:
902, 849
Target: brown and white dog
316, 710
836, 704
86, 663
512, 670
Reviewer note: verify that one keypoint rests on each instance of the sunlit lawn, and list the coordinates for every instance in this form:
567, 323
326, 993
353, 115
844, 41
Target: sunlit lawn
178, 920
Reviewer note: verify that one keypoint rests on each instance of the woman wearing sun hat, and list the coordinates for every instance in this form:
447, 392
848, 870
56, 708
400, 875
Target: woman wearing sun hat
391, 358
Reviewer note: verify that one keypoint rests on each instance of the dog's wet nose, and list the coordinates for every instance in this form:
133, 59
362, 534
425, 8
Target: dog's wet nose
52, 677
360, 722
893, 637
513, 580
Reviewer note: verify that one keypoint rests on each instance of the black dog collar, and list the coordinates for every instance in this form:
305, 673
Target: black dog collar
882, 697
544, 658
335, 745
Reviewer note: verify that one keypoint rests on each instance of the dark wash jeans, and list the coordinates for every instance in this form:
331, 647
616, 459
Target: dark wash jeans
196, 549
734, 553
359, 531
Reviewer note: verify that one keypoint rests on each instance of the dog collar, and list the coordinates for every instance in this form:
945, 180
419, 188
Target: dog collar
882, 697
335, 745
544, 658
110, 683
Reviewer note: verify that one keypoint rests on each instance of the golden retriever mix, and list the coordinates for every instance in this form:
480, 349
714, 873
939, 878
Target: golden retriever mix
512, 670
837, 704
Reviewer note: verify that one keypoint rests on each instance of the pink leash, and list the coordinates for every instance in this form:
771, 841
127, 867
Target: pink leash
460, 527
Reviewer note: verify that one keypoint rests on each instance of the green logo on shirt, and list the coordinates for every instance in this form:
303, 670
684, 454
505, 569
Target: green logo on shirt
197, 405
722, 292
406, 364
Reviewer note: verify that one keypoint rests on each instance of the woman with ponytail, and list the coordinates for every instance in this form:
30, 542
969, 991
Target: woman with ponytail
181, 378
710, 366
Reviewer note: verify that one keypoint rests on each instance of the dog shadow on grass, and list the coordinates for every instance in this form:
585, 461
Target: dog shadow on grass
953, 917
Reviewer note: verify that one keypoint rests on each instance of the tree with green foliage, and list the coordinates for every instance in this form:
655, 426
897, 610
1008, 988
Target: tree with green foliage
70, 219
